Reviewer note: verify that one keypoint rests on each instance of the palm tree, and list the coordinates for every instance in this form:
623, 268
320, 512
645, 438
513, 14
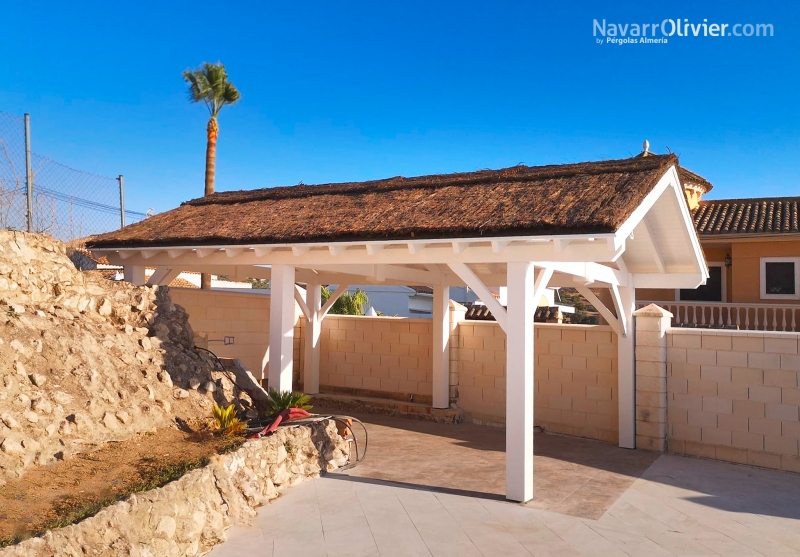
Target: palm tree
209, 85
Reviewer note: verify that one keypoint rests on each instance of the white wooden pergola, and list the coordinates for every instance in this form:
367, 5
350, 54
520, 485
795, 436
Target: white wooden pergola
656, 247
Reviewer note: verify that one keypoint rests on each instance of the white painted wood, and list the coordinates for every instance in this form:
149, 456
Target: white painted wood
459, 247
656, 253
300, 249
499, 245
173, 253
298, 297
441, 346
336, 249
471, 279
341, 289
261, 251
135, 274
202, 253
373, 249
607, 314
163, 276
622, 316
281, 327
626, 371
311, 350
233, 252
149, 253
519, 382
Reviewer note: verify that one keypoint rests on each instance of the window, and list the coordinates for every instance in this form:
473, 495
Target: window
712, 291
779, 278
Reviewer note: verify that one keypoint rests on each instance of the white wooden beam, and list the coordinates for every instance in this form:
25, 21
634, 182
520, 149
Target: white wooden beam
441, 347
626, 371
261, 251
373, 249
341, 289
126, 254
471, 279
459, 247
233, 252
135, 274
520, 381
281, 327
202, 253
499, 245
648, 233
601, 308
560, 245
162, 276
300, 249
415, 247
621, 315
298, 297
337, 249
173, 253
313, 333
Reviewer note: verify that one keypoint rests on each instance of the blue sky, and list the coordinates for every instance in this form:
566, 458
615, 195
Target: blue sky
354, 91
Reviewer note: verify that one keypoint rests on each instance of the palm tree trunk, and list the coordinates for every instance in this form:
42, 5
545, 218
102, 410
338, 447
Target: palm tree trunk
212, 131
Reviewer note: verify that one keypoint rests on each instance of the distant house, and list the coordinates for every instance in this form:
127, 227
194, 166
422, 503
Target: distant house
752, 248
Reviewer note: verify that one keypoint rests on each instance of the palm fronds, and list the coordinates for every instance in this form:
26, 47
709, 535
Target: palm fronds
283, 400
226, 419
209, 84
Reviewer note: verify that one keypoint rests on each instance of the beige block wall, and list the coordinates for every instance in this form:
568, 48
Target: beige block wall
386, 354
215, 314
575, 377
734, 396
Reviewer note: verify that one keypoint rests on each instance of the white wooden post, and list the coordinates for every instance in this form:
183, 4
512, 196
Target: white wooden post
313, 331
134, 274
281, 327
626, 368
441, 346
519, 382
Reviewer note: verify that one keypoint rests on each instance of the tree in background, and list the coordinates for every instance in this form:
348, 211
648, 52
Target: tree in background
585, 313
209, 85
347, 304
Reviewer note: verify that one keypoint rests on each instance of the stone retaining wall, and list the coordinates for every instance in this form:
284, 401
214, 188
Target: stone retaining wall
189, 516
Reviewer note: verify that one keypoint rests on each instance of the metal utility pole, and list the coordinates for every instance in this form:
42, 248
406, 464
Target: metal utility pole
28, 171
121, 181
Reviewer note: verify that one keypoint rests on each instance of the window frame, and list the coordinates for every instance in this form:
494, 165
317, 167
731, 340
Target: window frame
724, 285
763, 278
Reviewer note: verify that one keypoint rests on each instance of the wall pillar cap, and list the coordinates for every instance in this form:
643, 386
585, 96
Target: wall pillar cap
652, 310
455, 306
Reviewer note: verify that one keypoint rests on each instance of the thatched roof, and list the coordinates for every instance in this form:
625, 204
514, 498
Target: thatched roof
592, 197
770, 215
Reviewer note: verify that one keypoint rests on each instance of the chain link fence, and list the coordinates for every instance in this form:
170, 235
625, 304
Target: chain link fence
65, 203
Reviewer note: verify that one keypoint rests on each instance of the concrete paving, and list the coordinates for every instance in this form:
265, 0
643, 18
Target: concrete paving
434, 489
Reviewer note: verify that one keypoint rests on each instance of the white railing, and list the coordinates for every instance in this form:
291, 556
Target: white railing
747, 317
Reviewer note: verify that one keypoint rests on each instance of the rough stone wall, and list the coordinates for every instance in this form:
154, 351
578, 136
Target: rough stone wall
84, 360
189, 516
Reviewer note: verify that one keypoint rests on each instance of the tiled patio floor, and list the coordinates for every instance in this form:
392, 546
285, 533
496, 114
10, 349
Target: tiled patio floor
679, 506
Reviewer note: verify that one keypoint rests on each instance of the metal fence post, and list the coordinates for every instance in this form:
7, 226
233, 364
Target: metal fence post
28, 171
121, 201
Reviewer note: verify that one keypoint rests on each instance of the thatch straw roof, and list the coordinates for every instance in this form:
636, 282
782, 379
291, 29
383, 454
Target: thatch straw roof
592, 197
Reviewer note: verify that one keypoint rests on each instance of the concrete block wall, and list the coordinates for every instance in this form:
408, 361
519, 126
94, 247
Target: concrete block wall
575, 377
387, 354
215, 314
735, 396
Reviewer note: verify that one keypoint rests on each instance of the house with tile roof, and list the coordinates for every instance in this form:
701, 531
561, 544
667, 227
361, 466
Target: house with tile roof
752, 248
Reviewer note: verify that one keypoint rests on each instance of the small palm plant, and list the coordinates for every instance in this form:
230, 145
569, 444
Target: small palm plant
283, 400
227, 422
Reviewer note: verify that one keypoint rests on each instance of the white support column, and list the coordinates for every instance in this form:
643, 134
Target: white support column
313, 331
281, 327
519, 382
626, 368
441, 346
134, 274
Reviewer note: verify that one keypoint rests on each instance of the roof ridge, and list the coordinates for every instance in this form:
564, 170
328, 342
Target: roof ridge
457, 179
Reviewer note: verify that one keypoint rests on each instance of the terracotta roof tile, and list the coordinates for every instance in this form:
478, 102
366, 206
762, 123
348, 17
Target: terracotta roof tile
776, 215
